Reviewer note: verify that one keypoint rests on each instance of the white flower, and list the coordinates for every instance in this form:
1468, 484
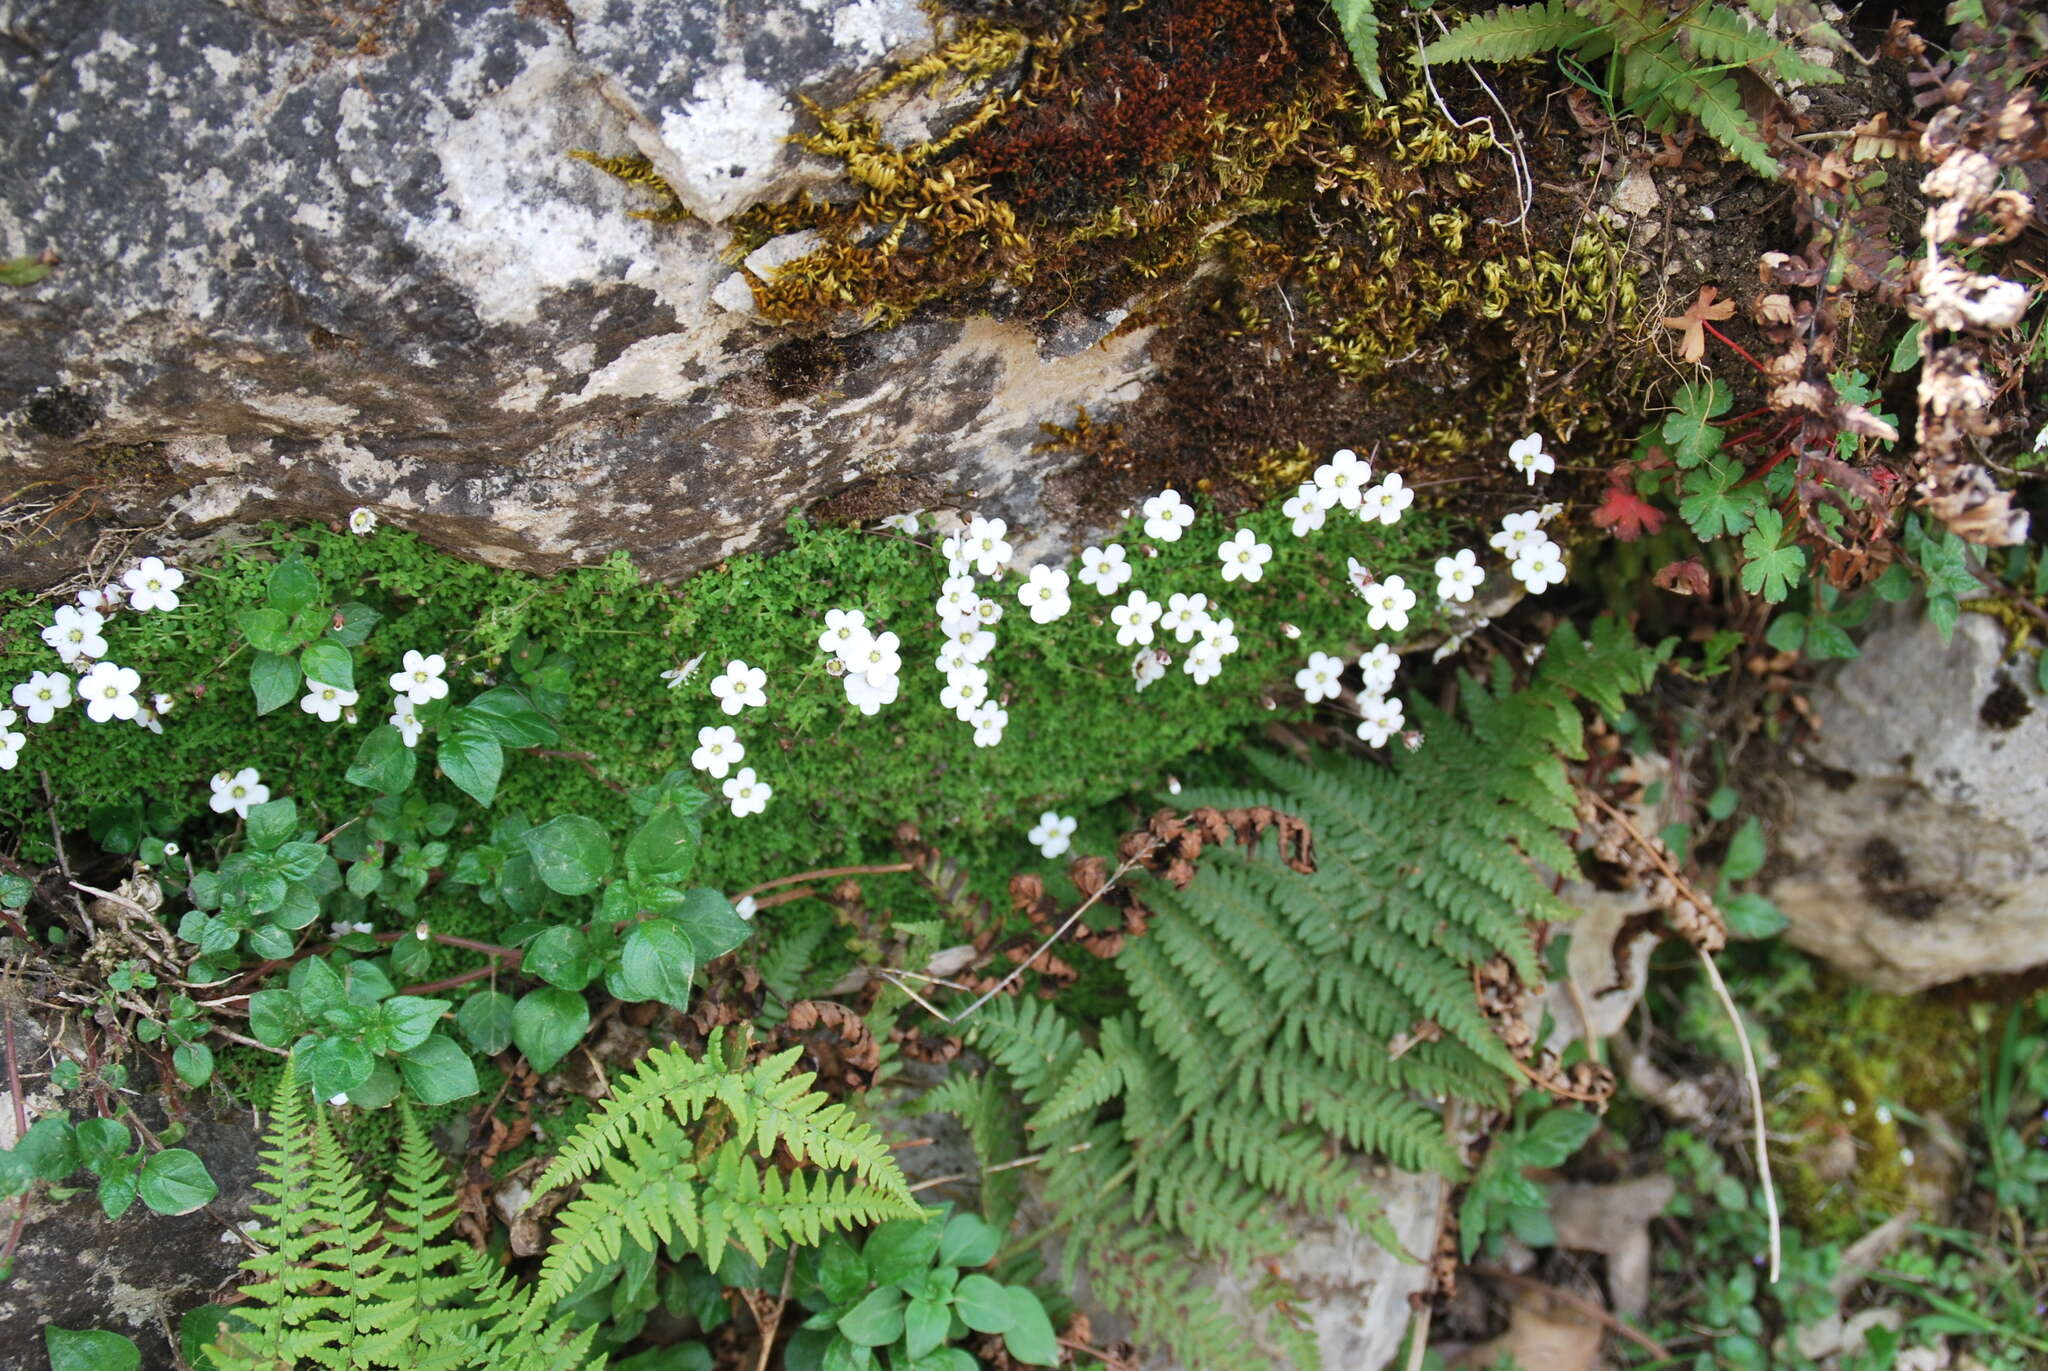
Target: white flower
1044, 593
76, 634
957, 599
869, 691
1105, 568
846, 633
1386, 501
1360, 577
1148, 666
738, 686
152, 585
1054, 833
989, 722
746, 906
1166, 515
109, 692
1548, 512
1527, 456
1378, 667
171, 849
1382, 720
1457, 577
676, 675
1220, 636
1539, 567
406, 720
101, 601
325, 700
1342, 479
905, 524
1185, 615
161, 703
1134, 619
145, 717
966, 643
420, 681
984, 545
748, 794
1244, 557
718, 750
1202, 663
43, 694
1390, 601
11, 743
344, 928
1905, 1156
361, 521
1517, 531
966, 687
1321, 679
239, 790
954, 550
876, 659
987, 612
1305, 508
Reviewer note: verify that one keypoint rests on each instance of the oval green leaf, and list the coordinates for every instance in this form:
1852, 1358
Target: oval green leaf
571, 853
174, 1181
547, 1022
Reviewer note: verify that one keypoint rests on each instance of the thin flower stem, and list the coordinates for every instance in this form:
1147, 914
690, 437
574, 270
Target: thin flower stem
823, 874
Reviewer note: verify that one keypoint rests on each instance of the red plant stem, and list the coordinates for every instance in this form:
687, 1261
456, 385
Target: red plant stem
883, 870
1735, 345
1780, 455
1746, 414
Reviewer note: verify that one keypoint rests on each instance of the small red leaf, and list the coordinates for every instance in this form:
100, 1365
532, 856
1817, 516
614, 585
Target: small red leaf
1683, 578
1628, 515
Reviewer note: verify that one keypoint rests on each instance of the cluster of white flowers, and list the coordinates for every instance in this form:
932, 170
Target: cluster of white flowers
1533, 559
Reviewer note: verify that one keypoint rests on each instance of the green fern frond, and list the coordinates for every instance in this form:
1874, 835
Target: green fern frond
1510, 33
1361, 26
1720, 34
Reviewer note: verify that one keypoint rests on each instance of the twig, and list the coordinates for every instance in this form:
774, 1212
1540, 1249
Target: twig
824, 874
771, 1327
14, 1080
1559, 1091
1578, 998
1605, 1317
63, 862
1031, 1160
235, 1037
1756, 1104
1123, 869
1418, 1337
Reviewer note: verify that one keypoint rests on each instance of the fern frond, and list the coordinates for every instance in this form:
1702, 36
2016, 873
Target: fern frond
1510, 33
1729, 37
1361, 26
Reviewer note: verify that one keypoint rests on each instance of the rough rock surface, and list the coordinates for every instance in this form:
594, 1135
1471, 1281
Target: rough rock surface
1913, 848
319, 255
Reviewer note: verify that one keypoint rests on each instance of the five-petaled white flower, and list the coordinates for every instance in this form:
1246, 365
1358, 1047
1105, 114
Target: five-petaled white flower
76, 634
966, 687
749, 794
1305, 507
1220, 636
1202, 662
739, 685
1457, 577
868, 692
957, 599
1166, 515
718, 750
1390, 600
325, 700
846, 633
1548, 512
989, 722
676, 675
405, 718
954, 549
1517, 531
1342, 479
1243, 556
1148, 666
1105, 568
102, 601
1322, 678
152, 585
1044, 593
1185, 616
362, 520
420, 680
344, 928
1382, 720
11, 742
905, 524
238, 790
109, 692
967, 642
984, 545
1054, 833
877, 659
1539, 566
1386, 501
1378, 666
1527, 456
1134, 619
43, 694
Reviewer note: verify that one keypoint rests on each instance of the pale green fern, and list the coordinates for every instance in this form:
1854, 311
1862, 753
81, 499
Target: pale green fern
1361, 25
1664, 65
1257, 1056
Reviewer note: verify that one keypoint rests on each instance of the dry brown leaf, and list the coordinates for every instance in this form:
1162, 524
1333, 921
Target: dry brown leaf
1693, 323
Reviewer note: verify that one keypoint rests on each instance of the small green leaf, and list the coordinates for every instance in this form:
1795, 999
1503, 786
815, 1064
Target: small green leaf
570, 853
174, 1181
117, 1191
438, 1070
1690, 433
1749, 915
274, 1017
507, 714
560, 956
90, 1349
272, 823
383, 762
1715, 504
273, 679
877, 1320
23, 271
714, 926
100, 1139
329, 663
1556, 1136
1828, 641
356, 622
408, 1019
1942, 612
199, 1329
968, 1241
1030, 1338
335, 1066
1895, 585
547, 1022
473, 762
267, 630
193, 1062
984, 1305
925, 1324
665, 846
1906, 353
486, 1021
1772, 569
657, 963
47, 1152
1361, 26
1745, 851
294, 588
900, 1252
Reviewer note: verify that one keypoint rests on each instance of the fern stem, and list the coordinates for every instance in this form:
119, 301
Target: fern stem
819, 875
1756, 1105
1123, 869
